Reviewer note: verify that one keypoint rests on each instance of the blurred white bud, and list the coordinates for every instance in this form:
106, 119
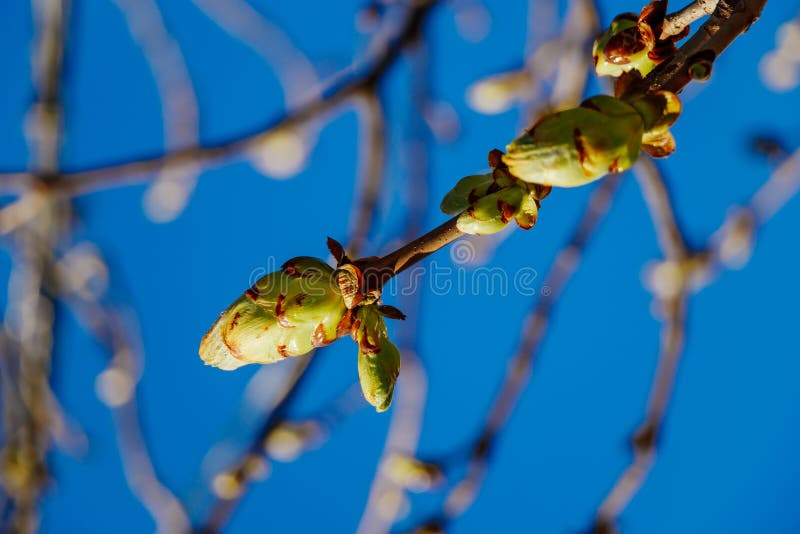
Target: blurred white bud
288, 440
778, 73
788, 39
166, 199
473, 22
443, 121
227, 486
281, 153
497, 93
83, 272
114, 386
736, 245
665, 279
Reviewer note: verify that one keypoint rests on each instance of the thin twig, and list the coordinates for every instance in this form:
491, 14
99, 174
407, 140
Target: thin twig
343, 87
674, 23
373, 160
117, 388
246, 469
167, 196
645, 440
520, 366
30, 315
692, 271
673, 306
405, 427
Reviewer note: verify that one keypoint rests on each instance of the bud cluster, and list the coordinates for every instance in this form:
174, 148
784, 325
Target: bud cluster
308, 304
486, 203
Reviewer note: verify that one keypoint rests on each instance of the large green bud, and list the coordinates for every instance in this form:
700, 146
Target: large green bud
604, 134
286, 313
378, 357
577, 146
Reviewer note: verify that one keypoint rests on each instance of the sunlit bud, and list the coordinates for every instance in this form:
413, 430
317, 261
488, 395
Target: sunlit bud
281, 153
378, 358
633, 43
286, 313
577, 146
465, 192
411, 473
622, 48
659, 111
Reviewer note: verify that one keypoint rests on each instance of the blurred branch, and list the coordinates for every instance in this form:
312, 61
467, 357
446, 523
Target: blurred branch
656, 197
167, 197
116, 385
644, 441
30, 315
672, 306
520, 367
386, 495
683, 272
231, 484
373, 161
242, 21
344, 86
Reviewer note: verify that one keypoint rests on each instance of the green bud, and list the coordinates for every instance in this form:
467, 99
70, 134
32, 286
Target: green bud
490, 214
466, 191
577, 146
528, 212
286, 313
378, 358
623, 47
659, 111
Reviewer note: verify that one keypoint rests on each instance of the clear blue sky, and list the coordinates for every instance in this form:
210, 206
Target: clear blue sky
728, 461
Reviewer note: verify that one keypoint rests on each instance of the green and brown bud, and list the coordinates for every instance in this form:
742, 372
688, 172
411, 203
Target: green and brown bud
378, 357
286, 313
577, 146
486, 203
633, 43
604, 134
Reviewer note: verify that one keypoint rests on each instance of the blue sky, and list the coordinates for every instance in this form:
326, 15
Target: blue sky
728, 461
